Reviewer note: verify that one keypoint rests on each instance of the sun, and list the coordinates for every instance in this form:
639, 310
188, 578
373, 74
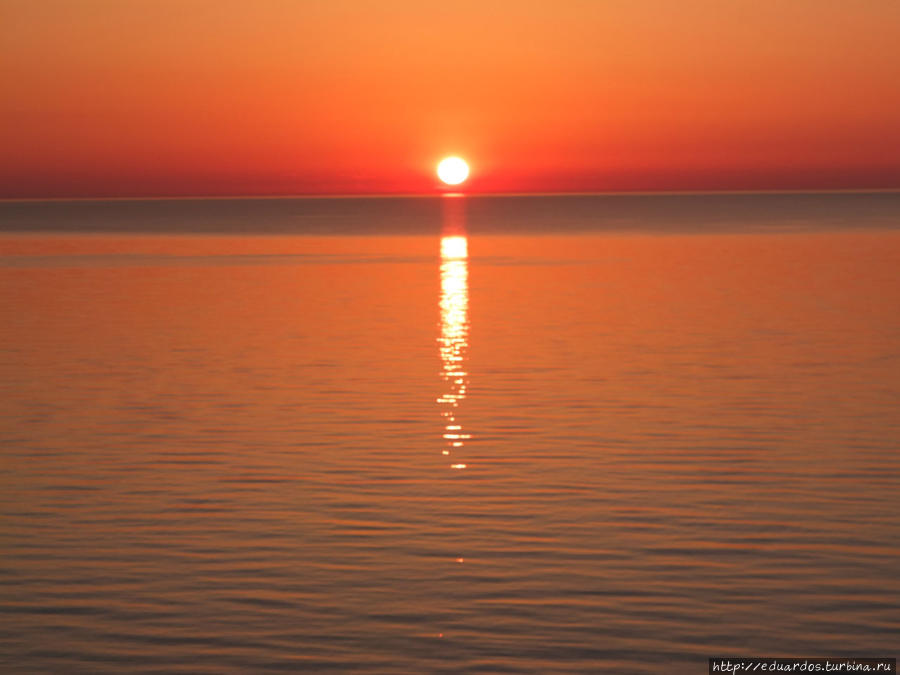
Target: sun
453, 170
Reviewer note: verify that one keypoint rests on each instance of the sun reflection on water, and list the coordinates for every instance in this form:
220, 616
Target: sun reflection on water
453, 342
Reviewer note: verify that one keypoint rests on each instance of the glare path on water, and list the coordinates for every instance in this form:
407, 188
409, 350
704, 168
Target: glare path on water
453, 341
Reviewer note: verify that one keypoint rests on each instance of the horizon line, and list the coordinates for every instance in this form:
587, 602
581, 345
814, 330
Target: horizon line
456, 194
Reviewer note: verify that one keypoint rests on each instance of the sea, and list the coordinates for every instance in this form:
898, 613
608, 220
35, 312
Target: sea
460, 434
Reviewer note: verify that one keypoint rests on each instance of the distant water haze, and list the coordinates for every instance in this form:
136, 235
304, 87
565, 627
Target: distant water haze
524, 434
626, 213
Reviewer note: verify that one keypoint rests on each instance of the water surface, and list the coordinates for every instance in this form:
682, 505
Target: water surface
530, 435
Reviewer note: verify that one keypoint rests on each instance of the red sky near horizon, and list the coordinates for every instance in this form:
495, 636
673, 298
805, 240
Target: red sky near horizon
227, 97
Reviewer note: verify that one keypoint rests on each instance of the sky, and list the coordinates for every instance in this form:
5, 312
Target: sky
120, 98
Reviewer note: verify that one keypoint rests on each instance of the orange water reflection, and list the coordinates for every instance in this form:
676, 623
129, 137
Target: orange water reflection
664, 424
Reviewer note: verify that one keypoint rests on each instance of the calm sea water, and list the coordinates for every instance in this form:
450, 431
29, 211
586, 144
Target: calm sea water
542, 435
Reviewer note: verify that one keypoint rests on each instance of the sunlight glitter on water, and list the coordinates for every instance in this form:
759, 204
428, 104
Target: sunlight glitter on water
453, 340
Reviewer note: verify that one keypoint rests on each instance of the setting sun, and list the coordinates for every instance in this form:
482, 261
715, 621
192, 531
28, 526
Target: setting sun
453, 170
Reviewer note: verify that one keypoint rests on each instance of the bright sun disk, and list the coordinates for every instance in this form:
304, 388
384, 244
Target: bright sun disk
453, 170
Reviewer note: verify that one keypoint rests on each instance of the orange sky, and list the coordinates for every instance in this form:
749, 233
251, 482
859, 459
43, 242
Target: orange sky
197, 97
